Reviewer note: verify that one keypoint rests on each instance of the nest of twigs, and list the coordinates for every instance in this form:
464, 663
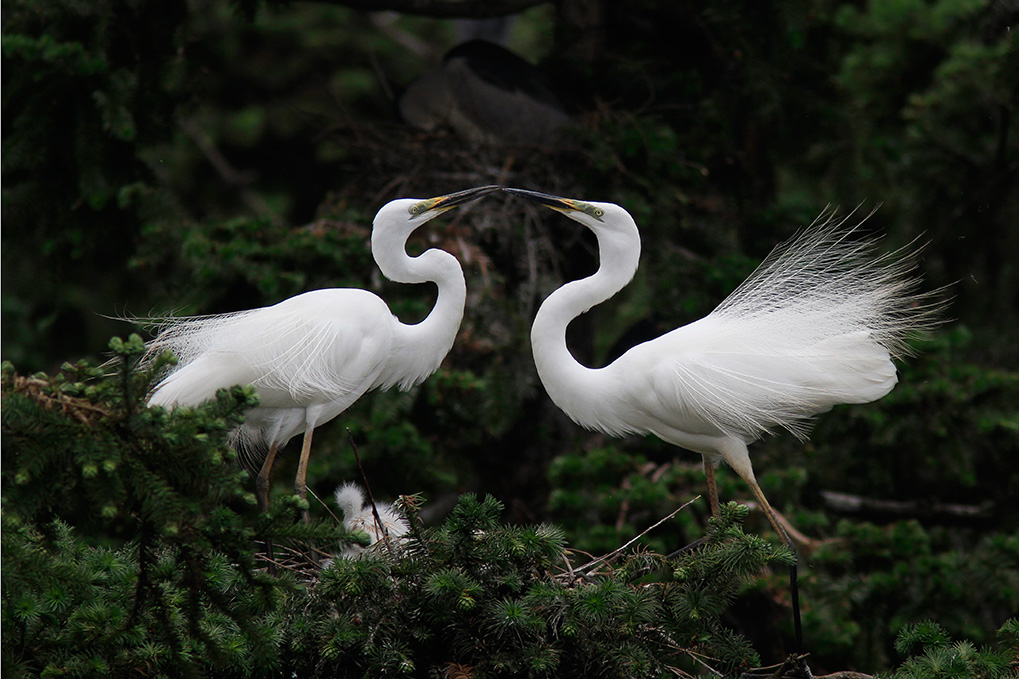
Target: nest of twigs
41, 391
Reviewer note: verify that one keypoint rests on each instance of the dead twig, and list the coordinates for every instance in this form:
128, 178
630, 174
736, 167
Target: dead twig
611, 555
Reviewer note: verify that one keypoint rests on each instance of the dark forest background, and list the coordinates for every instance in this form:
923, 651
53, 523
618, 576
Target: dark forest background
211, 156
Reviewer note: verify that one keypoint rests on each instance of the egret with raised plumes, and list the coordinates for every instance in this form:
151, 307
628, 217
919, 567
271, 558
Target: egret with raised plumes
817, 324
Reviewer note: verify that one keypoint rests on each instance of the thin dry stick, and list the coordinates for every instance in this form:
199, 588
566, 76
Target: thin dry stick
572, 574
569, 567
647, 530
700, 659
371, 498
327, 507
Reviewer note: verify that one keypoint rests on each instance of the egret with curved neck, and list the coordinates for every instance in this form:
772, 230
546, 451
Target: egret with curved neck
311, 356
816, 325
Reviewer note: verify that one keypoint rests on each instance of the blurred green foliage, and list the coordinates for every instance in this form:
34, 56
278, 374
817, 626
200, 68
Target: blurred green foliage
128, 533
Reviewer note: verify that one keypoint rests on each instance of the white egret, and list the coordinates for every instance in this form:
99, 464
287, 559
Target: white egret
313, 355
816, 325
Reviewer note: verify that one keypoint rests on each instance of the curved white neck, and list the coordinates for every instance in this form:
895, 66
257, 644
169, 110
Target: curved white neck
575, 388
424, 344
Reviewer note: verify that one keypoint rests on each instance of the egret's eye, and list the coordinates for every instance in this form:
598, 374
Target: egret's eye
595, 212
598, 212
417, 208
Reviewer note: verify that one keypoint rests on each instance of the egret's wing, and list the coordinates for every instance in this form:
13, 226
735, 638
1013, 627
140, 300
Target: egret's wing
814, 326
718, 376
319, 347
334, 354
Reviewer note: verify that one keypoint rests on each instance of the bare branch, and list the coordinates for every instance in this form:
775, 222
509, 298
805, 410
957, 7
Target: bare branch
855, 504
608, 557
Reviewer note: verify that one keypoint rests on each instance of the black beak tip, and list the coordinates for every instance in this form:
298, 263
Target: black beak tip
479, 191
545, 199
466, 196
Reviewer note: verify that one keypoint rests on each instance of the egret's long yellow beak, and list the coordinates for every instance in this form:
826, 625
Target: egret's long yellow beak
558, 203
451, 200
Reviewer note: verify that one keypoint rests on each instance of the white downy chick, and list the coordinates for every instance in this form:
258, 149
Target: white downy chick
357, 515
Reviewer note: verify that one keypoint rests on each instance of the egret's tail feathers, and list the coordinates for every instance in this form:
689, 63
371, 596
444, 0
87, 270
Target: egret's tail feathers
828, 281
199, 384
251, 449
749, 388
853, 369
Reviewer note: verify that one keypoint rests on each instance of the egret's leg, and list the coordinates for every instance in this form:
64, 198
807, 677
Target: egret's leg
262, 495
262, 480
770, 513
709, 472
300, 484
739, 459
794, 588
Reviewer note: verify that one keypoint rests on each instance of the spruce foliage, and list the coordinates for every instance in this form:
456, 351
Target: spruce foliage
129, 549
129, 534
490, 600
937, 657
